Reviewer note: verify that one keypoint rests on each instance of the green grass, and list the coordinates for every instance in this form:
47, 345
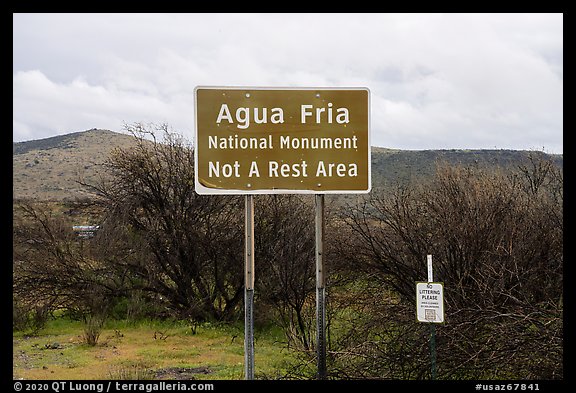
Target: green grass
146, 350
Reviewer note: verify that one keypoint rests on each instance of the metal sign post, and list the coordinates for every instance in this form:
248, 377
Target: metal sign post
430, 309
268, 140
320, 289
249, 290
432, 327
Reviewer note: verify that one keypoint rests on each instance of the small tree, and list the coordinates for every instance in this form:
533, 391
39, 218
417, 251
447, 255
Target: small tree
185, 248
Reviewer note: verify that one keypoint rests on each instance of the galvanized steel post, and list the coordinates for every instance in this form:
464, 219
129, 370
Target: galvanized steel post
432, 326
320, 289
249, 289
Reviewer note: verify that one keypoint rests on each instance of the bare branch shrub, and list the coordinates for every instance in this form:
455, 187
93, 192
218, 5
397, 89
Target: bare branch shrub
285, 252
54, 269
497, 244
185, 248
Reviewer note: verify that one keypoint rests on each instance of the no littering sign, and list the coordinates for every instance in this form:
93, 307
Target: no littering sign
430, 302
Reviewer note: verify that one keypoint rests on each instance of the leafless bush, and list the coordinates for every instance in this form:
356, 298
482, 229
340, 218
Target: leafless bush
497, 243
92, 329
285, 261
27, 315
185, 248
52, 268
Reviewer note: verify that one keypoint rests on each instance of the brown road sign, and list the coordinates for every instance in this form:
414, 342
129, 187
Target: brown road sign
252, 140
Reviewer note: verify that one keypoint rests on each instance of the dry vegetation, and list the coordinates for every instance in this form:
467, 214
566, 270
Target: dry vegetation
165, 252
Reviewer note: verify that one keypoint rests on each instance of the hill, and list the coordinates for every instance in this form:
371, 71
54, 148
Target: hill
47, 169
389, 166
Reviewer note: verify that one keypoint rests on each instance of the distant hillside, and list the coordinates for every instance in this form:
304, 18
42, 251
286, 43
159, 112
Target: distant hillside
47, 169
389, 165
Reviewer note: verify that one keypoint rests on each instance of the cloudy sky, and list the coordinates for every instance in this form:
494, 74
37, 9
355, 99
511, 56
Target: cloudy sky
437, 81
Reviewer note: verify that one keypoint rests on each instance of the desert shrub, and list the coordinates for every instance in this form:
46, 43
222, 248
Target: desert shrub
92, 329
497, 245
29, 317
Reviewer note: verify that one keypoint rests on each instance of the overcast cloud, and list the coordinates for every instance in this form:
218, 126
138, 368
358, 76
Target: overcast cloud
437, 81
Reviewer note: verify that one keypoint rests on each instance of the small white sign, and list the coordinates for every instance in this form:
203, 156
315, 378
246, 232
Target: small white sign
430, 302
